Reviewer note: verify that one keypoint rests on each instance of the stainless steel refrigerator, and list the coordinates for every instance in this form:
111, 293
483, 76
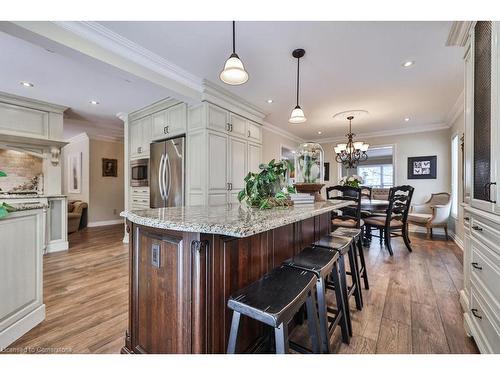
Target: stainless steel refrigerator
166, 179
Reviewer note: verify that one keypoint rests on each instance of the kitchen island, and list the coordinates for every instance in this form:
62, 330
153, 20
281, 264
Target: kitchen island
185, 262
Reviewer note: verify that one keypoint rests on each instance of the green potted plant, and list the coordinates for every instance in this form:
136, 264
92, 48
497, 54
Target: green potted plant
268, 188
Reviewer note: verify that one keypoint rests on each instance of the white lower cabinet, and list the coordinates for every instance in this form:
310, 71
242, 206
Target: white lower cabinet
481, 294
217, 168
254, 157
237, 167
21, 285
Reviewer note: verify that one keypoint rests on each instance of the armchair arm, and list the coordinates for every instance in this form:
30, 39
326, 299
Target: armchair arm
440, 213
421, 208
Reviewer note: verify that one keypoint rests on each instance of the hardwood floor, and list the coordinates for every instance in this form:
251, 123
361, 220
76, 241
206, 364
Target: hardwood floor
412, 305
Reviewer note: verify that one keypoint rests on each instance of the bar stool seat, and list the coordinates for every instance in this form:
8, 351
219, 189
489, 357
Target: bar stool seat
274, 300
324, 263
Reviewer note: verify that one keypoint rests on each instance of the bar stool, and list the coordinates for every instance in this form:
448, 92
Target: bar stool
357, 235
274, 300
324, 263
344, 246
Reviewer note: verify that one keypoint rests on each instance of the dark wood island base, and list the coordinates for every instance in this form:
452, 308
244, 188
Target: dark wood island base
180, 283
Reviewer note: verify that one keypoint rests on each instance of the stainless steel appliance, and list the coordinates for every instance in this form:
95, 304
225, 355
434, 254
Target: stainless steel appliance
139, 172
167, 173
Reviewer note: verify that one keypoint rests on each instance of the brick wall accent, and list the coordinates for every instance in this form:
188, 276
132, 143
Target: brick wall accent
20, 168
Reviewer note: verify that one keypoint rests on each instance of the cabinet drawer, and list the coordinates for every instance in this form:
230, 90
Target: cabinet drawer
254, 132
238, 125
484, 321
486, 231
140, 191
485, 267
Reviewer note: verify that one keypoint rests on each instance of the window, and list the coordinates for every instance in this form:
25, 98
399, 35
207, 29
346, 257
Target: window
454, 176
377, 175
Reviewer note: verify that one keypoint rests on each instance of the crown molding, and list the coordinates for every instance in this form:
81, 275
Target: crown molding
105, 138
122, 116
160, 105
217, 95
274, 129
388, 133
109, 40
459, 33
78, 138
31, 103
456, 110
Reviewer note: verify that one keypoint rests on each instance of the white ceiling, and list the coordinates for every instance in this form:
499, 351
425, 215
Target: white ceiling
72, 79
348, 65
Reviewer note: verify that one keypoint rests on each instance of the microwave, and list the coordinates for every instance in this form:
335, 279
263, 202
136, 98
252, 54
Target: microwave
139, 172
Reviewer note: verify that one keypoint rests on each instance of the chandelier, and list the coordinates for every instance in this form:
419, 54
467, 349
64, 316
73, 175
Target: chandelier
351, 153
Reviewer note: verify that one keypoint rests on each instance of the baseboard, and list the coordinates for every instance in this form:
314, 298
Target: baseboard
57, 246
23, 325
457, 240
104, 223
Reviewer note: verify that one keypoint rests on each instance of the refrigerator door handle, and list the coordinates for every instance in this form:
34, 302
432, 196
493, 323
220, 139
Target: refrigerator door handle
166, 176
160, 176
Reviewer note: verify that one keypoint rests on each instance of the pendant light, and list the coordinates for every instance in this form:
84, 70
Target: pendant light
297, 115
234, 72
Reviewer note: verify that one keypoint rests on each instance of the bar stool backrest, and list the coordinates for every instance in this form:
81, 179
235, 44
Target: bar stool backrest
347, 193
399, 203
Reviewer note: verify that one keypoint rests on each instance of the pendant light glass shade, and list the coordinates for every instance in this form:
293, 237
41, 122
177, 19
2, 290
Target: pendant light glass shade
297, 116
234, 72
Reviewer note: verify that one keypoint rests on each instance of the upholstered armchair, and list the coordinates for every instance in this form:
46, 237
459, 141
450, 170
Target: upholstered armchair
433, 213
75, 212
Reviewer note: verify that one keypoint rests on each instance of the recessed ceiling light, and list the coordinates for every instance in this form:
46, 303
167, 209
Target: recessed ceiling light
94, 102
269, 101
407, 119
26, 84
320, 132
408, 63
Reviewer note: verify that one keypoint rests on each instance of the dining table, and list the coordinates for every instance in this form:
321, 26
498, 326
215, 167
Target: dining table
373, 205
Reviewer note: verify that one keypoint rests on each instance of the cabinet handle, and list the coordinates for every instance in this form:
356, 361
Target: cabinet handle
248, 132
467, 219
474, 312
228, 127
478, 228
476, 266
165, 130
230, 186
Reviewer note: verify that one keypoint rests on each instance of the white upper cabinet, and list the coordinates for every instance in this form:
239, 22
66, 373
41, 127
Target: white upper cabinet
254, 132
169, 122
217, 163
237, 167
254, 157
140, 137
218, 118
237, 125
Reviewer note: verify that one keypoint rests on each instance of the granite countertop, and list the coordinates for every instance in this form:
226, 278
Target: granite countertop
29, 196
234, 220
27, 206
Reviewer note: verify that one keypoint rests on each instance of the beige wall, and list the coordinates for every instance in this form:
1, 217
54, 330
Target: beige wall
77, 144
20, 168
271, 145
418, 144
106, 193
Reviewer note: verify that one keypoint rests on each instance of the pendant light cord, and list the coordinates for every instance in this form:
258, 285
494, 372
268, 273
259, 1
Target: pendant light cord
298, 81
234, 37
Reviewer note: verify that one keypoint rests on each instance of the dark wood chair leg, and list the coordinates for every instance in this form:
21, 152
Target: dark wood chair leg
432, 234
323, 316
364, 273
233, 335
340, 306
381, 235
408, 231
345, 293
281, 338
406, 239
388, 241
355, 276
446, 232
312, 322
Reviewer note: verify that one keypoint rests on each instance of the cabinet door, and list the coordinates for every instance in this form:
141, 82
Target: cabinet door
469, 93
177, 119
238, 125
254, 157
237, 166
23, 121
217, 165
159, 124
145, 135
135, 137
254, 132
217, 118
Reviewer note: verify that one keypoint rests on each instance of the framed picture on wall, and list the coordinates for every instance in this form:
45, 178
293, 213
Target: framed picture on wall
75, 173
422, 167
109, 167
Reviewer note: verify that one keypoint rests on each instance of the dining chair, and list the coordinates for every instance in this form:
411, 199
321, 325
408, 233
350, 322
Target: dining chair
366, 192
350, 216
396, 217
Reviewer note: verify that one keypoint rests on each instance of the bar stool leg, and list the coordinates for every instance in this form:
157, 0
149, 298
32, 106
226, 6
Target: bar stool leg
361, 253
345, 293
340, 304
355, 276
312, 321
281, 337
231, 346
323, 315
